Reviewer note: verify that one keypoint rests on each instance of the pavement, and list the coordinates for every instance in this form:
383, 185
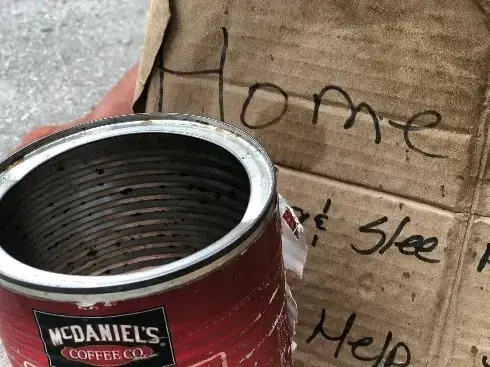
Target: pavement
58, 58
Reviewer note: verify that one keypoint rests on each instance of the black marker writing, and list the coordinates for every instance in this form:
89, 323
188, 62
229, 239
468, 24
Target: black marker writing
400, 349
415, 245
485, 259
409, 126
317, 99
300, 213
413, 123
219, 71
340, 339
320, 219
251, 93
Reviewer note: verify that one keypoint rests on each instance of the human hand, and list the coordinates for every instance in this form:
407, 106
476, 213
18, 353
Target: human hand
117, 102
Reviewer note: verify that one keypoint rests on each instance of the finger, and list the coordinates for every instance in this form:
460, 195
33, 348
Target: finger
119, 101
36, 134
39, 133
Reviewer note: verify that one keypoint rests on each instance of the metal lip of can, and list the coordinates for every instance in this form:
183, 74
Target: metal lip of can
24, 279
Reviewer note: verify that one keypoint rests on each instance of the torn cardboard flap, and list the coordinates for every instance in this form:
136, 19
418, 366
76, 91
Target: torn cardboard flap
376, 114
159, 16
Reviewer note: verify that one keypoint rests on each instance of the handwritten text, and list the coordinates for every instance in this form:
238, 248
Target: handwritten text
415, 245
397, 351
417, 122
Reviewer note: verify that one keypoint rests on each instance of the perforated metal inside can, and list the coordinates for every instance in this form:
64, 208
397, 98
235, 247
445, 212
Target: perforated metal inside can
146, 240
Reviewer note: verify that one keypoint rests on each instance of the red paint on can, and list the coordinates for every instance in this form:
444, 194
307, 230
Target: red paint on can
238, 312
233, 315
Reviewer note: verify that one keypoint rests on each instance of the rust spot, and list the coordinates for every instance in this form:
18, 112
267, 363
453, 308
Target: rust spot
406, 275
92, 252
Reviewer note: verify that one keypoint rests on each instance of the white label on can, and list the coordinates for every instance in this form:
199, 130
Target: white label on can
139, 339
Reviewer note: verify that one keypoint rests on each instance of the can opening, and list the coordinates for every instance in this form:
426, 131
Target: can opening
124, 204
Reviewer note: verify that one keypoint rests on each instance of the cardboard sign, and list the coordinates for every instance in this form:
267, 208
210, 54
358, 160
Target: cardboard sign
374, 112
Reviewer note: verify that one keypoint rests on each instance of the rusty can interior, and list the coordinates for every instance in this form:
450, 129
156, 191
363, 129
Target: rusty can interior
123, 204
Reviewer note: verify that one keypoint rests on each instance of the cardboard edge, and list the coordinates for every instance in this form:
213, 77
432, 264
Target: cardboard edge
155, 34
443, 338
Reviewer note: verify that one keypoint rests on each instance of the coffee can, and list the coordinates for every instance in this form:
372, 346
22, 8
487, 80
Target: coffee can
144, 240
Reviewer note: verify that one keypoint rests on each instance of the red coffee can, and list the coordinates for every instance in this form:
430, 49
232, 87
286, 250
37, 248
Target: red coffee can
145, 240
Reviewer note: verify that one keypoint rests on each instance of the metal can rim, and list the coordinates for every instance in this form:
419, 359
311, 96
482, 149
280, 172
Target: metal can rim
24, 279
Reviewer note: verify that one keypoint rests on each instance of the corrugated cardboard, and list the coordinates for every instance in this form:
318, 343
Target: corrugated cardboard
399, 137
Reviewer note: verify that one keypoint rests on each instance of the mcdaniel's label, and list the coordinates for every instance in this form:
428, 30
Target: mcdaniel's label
139, 339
